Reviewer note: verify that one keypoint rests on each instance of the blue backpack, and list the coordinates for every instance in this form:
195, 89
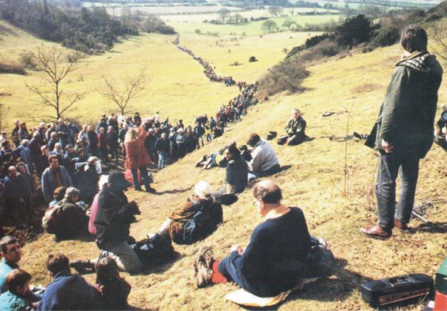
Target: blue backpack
192, 230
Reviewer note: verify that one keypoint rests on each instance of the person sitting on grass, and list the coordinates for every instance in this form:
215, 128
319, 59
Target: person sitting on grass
72, 219
211, 215
67, 291
276, 256
263, 158
114, 290
236, 178
14, 299
295, 130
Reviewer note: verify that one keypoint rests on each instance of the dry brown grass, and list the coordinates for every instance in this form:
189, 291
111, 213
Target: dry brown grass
312, 180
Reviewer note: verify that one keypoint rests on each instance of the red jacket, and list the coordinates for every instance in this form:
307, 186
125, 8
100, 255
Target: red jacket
136, 154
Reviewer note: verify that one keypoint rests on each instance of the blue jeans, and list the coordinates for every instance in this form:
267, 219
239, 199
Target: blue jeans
229, 270
161, 159
390, 166
258, 174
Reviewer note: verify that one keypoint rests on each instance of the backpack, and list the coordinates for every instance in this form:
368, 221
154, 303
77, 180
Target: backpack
195, 227
51, 219
321, 260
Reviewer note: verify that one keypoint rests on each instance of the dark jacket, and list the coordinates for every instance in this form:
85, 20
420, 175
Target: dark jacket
276, 255
408, 112
297, 126
72, 220
162, 145
237, 175
114, 217
69, 292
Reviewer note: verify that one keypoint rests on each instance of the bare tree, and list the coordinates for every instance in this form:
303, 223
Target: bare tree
439, 36
122, 96
51, 95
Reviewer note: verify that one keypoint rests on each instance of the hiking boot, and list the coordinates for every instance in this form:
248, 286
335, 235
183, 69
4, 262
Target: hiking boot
83, 266
206, 256
376, 232
204, 275
400, 225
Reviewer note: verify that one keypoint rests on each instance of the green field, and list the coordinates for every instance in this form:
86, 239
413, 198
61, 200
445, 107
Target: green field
251, 28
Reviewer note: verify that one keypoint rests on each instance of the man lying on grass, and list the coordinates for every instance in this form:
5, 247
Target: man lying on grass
276, 256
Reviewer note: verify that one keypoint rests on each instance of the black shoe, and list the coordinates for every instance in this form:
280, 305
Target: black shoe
138, 188
150, 190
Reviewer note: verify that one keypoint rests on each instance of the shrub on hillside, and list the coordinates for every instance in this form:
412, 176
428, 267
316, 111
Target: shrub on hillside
10, 67
354, 31
157, 25
326, 48
385, 37
285, 76
27, 59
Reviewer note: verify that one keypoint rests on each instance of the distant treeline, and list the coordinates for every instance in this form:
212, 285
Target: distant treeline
90, 31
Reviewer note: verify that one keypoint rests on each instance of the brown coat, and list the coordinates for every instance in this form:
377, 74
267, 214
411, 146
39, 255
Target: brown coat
187, 211
136, 154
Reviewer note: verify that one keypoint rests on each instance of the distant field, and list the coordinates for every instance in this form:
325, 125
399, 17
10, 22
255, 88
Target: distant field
116, 9
251, 28
223, 52
247, 14
177, 88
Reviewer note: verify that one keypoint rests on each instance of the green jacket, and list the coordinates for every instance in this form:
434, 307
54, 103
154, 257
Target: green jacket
296, 126
407, 115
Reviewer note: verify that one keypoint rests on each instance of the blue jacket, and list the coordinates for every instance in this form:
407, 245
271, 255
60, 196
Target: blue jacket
12, 302
69, 292
49, 182
5, 269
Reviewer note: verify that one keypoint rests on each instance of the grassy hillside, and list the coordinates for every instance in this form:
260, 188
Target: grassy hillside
177, 86
313, 178
336, 204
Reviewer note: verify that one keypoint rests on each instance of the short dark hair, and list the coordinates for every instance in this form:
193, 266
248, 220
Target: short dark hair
253, 139
57, 263
234, 151
267, 192
51, 157
106, 270
414, 38
17, 278
5, 241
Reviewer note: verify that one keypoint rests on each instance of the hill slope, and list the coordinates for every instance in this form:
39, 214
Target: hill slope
313, 178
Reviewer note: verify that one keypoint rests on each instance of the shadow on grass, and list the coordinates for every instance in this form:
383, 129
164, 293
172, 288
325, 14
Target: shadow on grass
174, 191
338, 287
431, 227
161, 267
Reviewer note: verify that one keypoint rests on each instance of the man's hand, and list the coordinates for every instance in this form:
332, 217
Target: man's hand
387, 146
238, 248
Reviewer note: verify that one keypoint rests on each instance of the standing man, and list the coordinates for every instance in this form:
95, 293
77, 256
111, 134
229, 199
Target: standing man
405, 131
162, 148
